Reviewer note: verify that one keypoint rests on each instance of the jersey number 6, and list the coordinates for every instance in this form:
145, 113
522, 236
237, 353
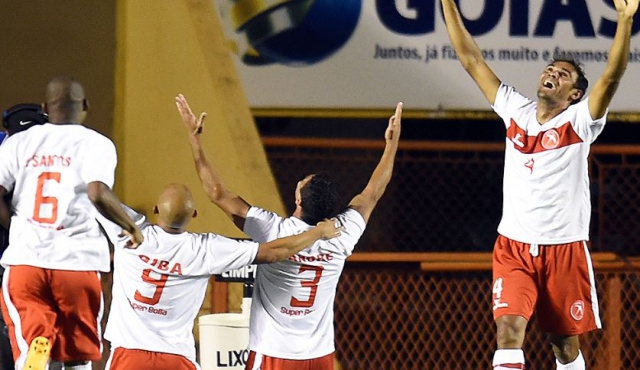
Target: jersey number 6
41, 200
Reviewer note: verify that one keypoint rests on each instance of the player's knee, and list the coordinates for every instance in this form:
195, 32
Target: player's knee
566, 349
511, 331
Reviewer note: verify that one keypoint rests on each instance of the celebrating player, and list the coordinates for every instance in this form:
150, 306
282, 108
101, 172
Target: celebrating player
540, 260
291, 323
159, 287
60, 173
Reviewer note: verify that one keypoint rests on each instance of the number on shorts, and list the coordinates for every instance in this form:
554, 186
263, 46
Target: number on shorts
497, 288
159, 283
41, 200
312, 284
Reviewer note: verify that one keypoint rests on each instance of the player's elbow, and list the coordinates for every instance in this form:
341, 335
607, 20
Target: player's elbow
97, 191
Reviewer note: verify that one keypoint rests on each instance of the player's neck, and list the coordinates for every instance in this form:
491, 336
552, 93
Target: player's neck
171, 230
549, 109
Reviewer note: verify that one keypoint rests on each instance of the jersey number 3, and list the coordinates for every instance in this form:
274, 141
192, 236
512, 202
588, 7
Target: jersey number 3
41, 200
311, 284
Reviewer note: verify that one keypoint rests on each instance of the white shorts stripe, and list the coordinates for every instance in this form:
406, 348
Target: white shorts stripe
15, 318
592, 282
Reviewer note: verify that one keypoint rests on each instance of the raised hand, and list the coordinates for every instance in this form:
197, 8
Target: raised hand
393, 130
194, 126
626, 7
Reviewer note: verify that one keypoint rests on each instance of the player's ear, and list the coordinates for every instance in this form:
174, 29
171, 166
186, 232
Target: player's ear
195, 213
85, 105
576, 95
155, 210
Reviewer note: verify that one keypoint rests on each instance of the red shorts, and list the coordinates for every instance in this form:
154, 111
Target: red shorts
262, 362
557, 283
125, 359
62, 306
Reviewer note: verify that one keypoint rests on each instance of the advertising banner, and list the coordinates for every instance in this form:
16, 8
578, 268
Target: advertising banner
370, 54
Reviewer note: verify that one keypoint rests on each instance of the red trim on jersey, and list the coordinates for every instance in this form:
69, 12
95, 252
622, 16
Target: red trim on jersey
510, 366
551, 139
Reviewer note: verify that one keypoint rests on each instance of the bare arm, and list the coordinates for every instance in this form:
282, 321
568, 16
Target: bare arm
108, 204
5, 213
283, 248
469, 53
607, 84
234, 206
366, 201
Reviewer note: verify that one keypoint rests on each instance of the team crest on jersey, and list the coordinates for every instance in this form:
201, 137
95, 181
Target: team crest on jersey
577, 310
550, 139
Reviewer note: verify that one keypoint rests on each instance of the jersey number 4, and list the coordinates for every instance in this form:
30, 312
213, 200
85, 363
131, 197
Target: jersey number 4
159, 283
311, 284
42, 201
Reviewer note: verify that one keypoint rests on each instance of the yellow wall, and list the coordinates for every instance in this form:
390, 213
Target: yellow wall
166, 47
40, 39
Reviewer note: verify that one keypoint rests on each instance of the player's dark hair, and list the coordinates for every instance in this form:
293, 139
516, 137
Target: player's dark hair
319, 198
581, 82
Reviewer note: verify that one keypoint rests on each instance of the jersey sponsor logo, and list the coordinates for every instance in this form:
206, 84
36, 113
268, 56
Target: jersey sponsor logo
48, 160
577, 310
294, 312
148, 309
554, 138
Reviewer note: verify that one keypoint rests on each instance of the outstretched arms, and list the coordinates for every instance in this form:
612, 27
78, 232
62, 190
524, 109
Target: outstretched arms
234, 206
607, 84
368, 198
469, 53
283, 248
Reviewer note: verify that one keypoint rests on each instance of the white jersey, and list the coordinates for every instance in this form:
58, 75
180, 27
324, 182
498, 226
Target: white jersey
292, 306
159, 287
49, 167
546, 197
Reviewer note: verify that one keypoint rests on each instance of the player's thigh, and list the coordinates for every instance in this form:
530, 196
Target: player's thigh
514, 290
262, 362
28, 307
568, 304
78, 295
127, 359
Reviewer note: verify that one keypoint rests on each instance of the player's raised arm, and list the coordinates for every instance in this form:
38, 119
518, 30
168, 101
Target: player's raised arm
366, 201
469, 53
607, 84
234, 206
283, 248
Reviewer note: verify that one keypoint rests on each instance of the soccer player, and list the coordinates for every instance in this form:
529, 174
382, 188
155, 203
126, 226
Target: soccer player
60, 172
540, 260
159, 287
291, 323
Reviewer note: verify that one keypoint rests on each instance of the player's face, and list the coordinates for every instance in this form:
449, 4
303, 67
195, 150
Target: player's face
557, 82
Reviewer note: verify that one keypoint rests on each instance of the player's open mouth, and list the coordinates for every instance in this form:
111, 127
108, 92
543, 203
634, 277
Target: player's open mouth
548, 84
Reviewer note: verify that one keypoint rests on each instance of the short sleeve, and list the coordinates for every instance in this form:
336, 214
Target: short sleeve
113, 231
507, 101
585, 125
224, 254
259, 224
354, 226
8, 164
99, 163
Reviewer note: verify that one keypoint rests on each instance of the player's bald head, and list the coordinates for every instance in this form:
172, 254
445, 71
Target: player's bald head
65, 100
175, 207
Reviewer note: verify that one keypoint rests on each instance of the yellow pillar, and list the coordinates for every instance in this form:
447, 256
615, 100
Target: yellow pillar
166, 47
